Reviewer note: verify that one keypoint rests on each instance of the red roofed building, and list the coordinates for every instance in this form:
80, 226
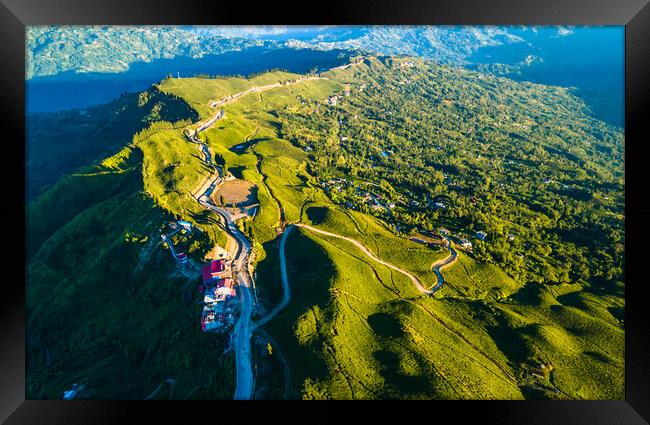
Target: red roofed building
205, 272
217, 267
213, 270
227, 283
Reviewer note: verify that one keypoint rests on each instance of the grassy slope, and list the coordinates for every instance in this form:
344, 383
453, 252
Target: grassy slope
356, 329
61, 142
457, 346
103, 323
471, 279
351, 335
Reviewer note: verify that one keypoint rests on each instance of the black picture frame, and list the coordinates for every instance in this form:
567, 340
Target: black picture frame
15, 15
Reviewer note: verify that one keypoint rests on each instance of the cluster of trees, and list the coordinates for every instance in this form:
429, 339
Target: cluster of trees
526, 163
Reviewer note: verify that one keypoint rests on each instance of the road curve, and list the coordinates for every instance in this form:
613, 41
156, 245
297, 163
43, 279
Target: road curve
241, 335
242, 332
244, 326
416, 281
286, 296
442, 263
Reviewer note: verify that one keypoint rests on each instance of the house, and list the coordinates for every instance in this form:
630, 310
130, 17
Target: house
225, 283
225, 287
209, 325
217, 267
464, 243
439, 205
481, 235
185, 224
511, 237
213, 270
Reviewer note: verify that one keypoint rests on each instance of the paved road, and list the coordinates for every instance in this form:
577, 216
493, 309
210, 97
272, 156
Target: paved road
241, 335
442, 263
286, 296
243, 327
210, 121
414, 279
235, 96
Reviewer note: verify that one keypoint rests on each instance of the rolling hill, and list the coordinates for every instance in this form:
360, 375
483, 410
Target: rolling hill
364, 152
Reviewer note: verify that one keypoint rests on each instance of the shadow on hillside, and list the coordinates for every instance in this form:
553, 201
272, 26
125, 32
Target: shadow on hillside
205, 217
317, 214
203, 168
238, 171
389, 328
310, 273
386, 325
397, 385
508, 341
598, 356
572, 299
242, 147
617, 312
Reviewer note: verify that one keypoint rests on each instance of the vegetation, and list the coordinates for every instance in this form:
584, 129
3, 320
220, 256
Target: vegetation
533, 311
559, 193
101, 291
114, 48
59, 143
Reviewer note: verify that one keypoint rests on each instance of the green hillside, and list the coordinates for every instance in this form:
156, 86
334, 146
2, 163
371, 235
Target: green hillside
101, 292
533, 311
58, 143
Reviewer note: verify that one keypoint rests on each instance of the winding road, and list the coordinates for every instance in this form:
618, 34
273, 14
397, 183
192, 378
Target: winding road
241, 335
286, 291
242, 332
453, 255
416, 281
286, 296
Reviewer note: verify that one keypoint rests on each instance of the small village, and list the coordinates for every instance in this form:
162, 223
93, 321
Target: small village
219, 296
217, 287
356, 196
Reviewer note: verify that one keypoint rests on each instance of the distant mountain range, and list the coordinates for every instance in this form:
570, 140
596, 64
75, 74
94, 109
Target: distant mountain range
55, 49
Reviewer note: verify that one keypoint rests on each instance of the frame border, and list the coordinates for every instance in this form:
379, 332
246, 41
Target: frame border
15, 15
